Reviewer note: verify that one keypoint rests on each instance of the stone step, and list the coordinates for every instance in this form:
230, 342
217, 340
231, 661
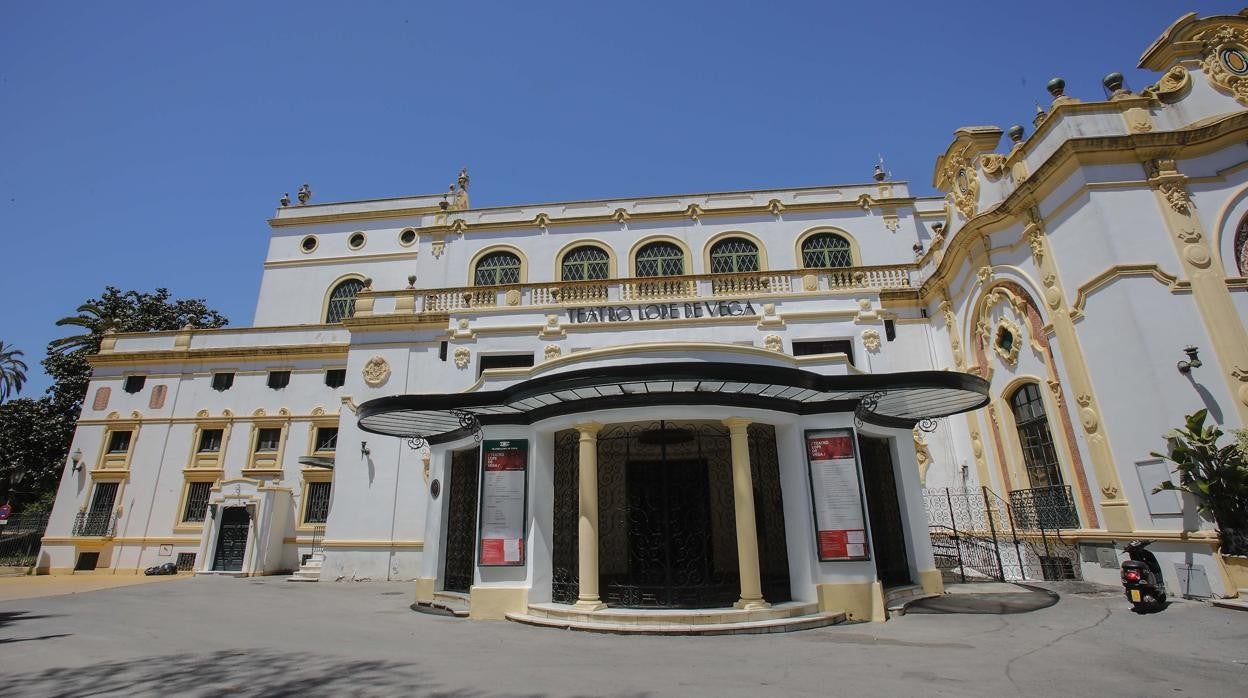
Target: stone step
445, 603
707, 616
654, 625
1239, 604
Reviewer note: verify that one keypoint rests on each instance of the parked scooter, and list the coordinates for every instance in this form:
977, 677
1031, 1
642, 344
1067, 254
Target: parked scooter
167, 568
1141, 578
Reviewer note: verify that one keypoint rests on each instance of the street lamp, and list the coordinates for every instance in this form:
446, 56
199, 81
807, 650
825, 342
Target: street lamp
76, 460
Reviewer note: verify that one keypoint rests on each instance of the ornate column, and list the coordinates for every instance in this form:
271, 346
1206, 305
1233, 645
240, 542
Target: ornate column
747, 531
587, 525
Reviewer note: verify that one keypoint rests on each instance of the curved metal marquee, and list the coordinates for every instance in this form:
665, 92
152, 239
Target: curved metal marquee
888, 399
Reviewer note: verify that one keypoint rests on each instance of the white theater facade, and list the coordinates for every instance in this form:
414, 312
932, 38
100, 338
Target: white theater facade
728, 400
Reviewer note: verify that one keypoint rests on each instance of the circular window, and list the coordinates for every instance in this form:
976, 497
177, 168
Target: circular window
407, 237
1235, 60
356, 241
308, 244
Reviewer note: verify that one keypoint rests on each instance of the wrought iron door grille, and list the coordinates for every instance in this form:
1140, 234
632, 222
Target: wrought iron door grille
461, 522
1044, 508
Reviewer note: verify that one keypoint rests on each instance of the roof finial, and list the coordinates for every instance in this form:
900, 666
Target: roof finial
305, 193
879, 175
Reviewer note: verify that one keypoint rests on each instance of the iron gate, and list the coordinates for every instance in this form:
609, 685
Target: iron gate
20, 539
978, 536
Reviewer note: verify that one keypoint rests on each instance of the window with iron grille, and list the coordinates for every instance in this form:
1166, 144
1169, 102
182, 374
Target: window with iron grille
733, 255
279, 379
186, 562
268, 439
826, 251
326, 438
316, 509
210, 440
196, 502
222, 381
103, 497
585, 263
336, 377
119, 442
134, 384
342, 300
497, 268
1039, 455
660, 259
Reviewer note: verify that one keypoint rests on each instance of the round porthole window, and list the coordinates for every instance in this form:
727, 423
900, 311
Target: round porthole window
356, 241
407, 237
1235, 60
308, 244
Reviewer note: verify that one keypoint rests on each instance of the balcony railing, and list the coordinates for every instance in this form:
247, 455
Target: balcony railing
94, 523
653, 289
1044, 508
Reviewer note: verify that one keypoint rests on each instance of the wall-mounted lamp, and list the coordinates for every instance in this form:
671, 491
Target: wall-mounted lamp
76, 460
364, 449
1193, 361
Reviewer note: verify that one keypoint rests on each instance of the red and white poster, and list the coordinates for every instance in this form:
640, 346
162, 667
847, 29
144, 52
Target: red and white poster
503, 506
840, 528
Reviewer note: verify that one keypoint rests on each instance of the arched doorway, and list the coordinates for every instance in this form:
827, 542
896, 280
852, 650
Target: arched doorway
667, 527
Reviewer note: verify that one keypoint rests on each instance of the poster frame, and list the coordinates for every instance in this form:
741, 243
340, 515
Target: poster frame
524, 538
807, 435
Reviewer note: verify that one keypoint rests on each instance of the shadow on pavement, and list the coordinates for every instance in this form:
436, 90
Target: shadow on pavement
1025, 600
238, 673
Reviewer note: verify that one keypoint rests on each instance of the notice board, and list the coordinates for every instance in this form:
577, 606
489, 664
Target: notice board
504, 502
836, 495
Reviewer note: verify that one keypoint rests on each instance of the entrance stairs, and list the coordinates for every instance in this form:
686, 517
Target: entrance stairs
444, 603
309, 571
1236, 604
897, 598
780, 618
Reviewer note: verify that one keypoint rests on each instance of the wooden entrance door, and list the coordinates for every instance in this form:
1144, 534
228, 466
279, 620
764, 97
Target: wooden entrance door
231, 540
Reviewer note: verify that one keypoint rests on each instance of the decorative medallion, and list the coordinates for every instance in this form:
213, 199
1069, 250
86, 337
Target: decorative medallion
513, 296
965, 190
871, 340
1176, 195
1006, 341
810, 282
1171, 84
552, 351
461, 357
772, 342
376, 371
1226, 60
435, 488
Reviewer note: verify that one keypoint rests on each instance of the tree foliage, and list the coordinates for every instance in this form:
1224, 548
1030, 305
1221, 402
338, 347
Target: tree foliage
12, 371
1217, 476
35, 434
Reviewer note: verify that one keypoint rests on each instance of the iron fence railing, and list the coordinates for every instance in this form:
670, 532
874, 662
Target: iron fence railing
95, 523
1044, 508
20, 539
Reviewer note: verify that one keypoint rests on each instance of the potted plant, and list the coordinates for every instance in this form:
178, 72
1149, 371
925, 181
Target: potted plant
1215, 475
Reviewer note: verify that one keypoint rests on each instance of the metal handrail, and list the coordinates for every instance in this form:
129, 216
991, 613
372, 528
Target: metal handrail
100, 524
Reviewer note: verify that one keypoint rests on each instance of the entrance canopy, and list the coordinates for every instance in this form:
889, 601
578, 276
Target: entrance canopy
886, 399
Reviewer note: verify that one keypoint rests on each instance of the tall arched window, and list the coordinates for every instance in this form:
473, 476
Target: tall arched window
734, 255
1241, 247
496, 269
1033, 433
826, 250
660, 259
342, 300
585, 263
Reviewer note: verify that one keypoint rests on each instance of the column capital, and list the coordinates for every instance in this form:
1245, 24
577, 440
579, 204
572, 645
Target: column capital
737, 422
588, 428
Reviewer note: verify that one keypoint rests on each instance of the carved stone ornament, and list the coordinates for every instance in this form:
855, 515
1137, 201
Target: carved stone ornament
513, 296
461, 357
810, 282
977, 445
871, 340
772, 342
892, 223
376, 371
1110, 492
1173, 83
438, 246
1177, 196
993, 164
552, 351
1036, 239
1226, 60
965, 188
921, 455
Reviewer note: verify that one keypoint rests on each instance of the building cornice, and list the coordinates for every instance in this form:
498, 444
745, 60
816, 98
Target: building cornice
238, 354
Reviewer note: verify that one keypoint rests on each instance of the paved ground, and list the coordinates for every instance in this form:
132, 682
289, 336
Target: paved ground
987, 597
30, 587
269, 637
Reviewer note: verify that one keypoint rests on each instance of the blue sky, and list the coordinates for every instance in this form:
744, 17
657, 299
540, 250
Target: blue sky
144, 144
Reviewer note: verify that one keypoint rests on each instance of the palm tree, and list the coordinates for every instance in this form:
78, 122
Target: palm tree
91, 318
12, 371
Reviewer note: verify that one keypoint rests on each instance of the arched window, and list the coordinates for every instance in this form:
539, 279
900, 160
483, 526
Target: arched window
1241, 247
585, 263
734, 255
660, 259
1033, 433
342, 300
826, 250
496, 269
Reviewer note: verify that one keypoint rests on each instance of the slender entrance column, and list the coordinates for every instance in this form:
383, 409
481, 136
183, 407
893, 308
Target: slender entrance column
747, 531
587, 525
